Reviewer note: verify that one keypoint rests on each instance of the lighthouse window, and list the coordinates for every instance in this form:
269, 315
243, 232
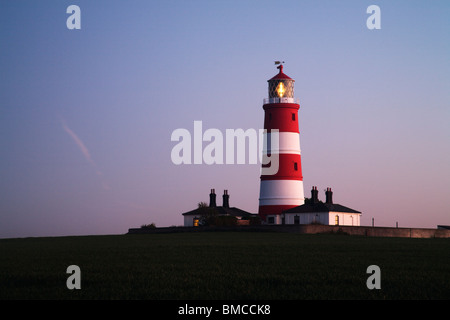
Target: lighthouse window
293, 117
295, 166
270, 116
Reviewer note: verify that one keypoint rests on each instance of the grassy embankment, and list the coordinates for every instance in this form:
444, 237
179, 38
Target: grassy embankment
224, 265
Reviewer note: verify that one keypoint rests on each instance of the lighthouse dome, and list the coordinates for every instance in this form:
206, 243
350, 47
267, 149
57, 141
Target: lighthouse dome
281, 86
281, 75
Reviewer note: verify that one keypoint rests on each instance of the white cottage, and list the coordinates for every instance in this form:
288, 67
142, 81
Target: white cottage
194, 217
315, 211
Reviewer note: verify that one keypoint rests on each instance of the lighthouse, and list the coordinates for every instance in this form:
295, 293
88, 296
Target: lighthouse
282, 190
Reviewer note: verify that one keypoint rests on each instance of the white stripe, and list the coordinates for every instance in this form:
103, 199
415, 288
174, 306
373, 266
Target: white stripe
281, 202
281, 192
288, 143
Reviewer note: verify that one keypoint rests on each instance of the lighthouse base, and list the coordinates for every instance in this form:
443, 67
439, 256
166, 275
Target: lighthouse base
272, 214
277, 196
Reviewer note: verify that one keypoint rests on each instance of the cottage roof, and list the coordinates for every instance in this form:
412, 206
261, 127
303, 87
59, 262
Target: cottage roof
320, 207
214, 209
314, 205
233, 211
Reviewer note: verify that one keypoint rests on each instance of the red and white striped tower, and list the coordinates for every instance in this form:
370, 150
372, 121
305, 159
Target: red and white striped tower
283, 190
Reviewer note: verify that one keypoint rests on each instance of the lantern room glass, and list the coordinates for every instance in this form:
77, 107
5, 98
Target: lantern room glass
281, 89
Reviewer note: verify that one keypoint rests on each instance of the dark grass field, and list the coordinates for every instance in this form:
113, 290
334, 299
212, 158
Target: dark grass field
225, 266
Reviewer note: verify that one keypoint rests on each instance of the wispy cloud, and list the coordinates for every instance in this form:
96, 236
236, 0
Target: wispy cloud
84, 150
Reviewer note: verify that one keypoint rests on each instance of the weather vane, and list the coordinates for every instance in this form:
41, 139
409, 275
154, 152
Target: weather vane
279, 62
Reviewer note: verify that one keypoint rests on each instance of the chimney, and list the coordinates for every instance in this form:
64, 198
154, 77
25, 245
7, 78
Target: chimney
226, 197
314, 195
212, 198
329, 196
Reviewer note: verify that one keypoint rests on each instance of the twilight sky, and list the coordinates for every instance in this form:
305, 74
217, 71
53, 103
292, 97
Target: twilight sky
86, 116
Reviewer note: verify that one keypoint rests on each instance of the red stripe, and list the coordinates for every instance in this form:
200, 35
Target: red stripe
263, 211
281, 116
287, 168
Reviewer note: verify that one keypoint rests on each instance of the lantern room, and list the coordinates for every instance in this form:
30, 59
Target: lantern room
281, 88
